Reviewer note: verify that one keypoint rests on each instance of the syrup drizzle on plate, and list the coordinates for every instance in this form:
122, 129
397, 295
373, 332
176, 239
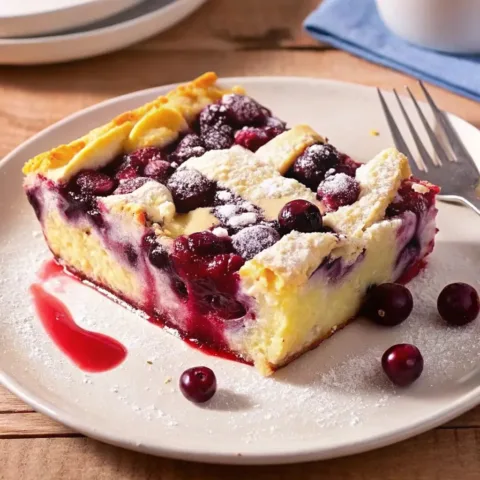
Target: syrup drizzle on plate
90, 351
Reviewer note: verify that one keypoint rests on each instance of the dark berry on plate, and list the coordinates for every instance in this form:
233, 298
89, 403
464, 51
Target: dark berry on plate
213, 116
338, 190
218, 138
244, 111
95, 183
458, 303
190, 190
388, 304
311, 166
403, 364
300, 215
253, 138
130, 185
252, 240
159, 170
190, 145
198, 384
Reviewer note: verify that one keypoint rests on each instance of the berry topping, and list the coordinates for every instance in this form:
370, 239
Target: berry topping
301, 216
127, 172
130, 185
198, 384
222, 265
190, 145
158, 256
310, 167
388, 304
206, 243
403, 364
95, 183
458, 304
253, 138
409, 199
338, 190
139, 158
213, 116
275, 122
190, 190
218, 138
252, 240
347, 166
159, 170
243, 110
205, 255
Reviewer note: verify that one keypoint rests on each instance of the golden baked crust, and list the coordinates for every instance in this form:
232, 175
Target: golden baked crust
154, 124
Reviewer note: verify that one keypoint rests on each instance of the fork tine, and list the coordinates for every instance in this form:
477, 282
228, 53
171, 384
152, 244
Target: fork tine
440, 151
457, 145
397, 136
398, 139
425, 156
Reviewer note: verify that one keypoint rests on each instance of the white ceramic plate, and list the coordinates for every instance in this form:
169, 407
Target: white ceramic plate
133, 25
31, 17
332, 401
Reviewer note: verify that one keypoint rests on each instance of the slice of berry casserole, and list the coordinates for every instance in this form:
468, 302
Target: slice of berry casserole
211, 215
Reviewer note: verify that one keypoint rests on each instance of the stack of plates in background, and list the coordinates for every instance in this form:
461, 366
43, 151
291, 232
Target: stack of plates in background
49, 31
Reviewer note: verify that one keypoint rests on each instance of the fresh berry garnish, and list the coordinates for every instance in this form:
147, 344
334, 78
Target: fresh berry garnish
310, 167
253, 138
130, 185
213, 116
159, 170
458, 304
388, 304
300, 215
190, 190
190, 145
338, 190
252, 240
198, 384
403, 364
95, 183
218, 138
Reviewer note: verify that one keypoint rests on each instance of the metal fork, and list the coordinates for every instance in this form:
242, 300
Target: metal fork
456, 173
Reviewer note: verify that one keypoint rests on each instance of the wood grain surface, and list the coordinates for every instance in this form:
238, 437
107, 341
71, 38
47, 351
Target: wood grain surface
234, 38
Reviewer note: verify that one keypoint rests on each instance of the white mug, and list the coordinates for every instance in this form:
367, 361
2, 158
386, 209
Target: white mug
446, 25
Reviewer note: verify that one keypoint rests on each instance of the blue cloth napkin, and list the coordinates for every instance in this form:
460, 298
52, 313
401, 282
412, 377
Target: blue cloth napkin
355, 26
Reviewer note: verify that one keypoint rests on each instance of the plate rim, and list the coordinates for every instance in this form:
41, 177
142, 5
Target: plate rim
48, 39
306, 451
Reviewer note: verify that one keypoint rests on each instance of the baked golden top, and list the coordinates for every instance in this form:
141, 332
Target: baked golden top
154, 124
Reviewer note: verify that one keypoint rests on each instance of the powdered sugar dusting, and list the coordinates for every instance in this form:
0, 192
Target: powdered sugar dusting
337, 390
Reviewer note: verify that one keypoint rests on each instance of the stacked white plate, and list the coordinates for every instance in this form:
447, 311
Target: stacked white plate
33, 32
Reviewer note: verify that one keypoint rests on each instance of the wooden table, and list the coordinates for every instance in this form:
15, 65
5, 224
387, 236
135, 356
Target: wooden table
247, 37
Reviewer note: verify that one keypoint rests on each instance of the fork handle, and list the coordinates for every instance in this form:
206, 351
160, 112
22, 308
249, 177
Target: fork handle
473, 201
470, 200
